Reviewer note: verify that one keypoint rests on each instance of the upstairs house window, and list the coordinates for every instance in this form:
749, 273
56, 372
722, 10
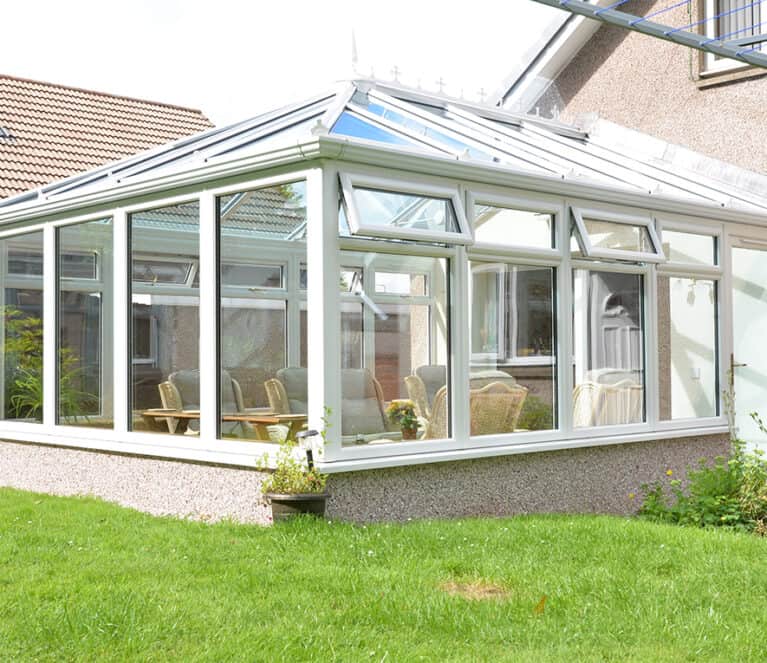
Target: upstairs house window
730, 20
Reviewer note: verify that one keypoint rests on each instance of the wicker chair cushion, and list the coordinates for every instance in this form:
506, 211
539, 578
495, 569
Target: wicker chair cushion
434, 376
361, 410
294, 380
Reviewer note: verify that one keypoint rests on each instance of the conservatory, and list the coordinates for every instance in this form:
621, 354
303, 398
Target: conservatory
523, 286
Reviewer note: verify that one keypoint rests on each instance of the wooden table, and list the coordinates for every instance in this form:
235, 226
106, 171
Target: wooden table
260, 421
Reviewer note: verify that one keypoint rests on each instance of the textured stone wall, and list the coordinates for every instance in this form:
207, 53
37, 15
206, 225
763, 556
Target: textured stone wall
652, 86
588, 480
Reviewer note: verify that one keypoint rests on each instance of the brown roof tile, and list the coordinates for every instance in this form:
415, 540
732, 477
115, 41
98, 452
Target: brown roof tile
58, 131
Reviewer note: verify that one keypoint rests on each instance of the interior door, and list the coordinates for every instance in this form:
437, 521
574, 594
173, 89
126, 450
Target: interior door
748, 361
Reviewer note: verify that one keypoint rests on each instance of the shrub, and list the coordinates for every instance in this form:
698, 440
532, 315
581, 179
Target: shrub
291, 475
536, 415
730, 492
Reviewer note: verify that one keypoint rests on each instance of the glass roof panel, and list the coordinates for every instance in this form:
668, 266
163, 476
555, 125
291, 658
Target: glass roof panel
351, 125
424, 129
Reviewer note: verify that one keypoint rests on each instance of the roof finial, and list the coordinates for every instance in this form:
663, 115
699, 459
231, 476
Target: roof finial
482, 95
355, 58
395, 72
441, 84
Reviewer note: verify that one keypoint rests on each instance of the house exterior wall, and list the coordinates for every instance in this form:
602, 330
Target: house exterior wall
656, 87
585, 480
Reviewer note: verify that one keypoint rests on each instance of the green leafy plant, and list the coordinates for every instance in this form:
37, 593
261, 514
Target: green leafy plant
728, 492
292, 474
536, 415
402, 412
24, 371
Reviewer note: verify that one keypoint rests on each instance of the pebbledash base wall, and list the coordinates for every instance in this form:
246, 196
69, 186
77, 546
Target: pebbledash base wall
596, 479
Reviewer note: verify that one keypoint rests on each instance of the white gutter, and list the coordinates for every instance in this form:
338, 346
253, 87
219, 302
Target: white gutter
374, 154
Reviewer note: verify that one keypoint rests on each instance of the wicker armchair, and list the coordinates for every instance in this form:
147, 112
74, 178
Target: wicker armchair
495, 409
607, 404
416, 391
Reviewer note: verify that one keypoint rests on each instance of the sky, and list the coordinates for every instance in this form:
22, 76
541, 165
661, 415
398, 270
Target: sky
234, 59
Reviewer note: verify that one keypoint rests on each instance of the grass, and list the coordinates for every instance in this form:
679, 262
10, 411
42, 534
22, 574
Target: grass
82, 580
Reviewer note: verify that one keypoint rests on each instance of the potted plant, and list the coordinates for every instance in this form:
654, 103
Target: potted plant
402, 412
295, 485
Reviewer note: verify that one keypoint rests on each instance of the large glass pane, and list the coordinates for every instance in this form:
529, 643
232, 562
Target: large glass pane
609, 348
85, 324
394, 348
687, 347
165, 319
386, 209
513, 348
618, 236
689, 248
263, 389
502, 226
22, 328
351, 125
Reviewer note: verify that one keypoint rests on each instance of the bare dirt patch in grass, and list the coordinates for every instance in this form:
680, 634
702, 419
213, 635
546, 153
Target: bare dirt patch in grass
476, 590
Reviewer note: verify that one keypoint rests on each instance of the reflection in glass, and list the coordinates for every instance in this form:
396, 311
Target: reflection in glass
687, 338
609, 348
618, 236
689, 248
22, 328
503, 226
386, 209
513, 364
85, 324
352, 125
165, 322
394, 347
260, 232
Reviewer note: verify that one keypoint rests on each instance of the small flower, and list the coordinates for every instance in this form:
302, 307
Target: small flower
669, 473
632, 496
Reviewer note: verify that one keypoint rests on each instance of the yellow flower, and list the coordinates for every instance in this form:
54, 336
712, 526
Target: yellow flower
669, 473
632, 496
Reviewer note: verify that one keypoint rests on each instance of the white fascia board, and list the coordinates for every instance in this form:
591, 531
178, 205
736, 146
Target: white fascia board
521, 93
383, 156
390, 157
295, 152
470, 453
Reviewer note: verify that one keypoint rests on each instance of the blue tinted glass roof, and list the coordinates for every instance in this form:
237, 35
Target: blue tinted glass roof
351, 125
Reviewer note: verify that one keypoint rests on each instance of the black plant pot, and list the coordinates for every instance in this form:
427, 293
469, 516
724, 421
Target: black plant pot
286, 506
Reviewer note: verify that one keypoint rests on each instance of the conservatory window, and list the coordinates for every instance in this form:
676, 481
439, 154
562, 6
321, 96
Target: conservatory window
606, 235
22, 328
261, 271
394, 346
690, 248
512, 376
165, 321
85, 325
688, 325
608, 334
506, 227
378, 208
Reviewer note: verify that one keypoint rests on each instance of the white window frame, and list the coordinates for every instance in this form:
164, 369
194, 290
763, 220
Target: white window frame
357, 226
579, 212
713, 65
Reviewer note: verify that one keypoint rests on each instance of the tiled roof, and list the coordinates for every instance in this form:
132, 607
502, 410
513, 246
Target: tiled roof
49, 132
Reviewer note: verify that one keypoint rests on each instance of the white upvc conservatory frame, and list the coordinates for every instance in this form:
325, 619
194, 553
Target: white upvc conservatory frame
582, 210
323, 298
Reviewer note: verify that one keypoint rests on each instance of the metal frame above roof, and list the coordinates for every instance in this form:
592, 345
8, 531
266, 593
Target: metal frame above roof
733, 49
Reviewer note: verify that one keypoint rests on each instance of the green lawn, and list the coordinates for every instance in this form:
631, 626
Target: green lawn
84, 580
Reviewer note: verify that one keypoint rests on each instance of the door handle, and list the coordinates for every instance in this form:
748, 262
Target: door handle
733, 366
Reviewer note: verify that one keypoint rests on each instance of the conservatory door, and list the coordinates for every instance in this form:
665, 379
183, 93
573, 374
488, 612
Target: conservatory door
748, 362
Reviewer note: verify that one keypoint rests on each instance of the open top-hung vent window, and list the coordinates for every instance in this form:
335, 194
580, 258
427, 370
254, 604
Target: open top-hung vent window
613, 236
389, 210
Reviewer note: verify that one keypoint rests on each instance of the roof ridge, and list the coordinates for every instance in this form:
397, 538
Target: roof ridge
98, 93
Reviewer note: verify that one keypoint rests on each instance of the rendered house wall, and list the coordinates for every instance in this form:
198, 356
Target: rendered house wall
656, 87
